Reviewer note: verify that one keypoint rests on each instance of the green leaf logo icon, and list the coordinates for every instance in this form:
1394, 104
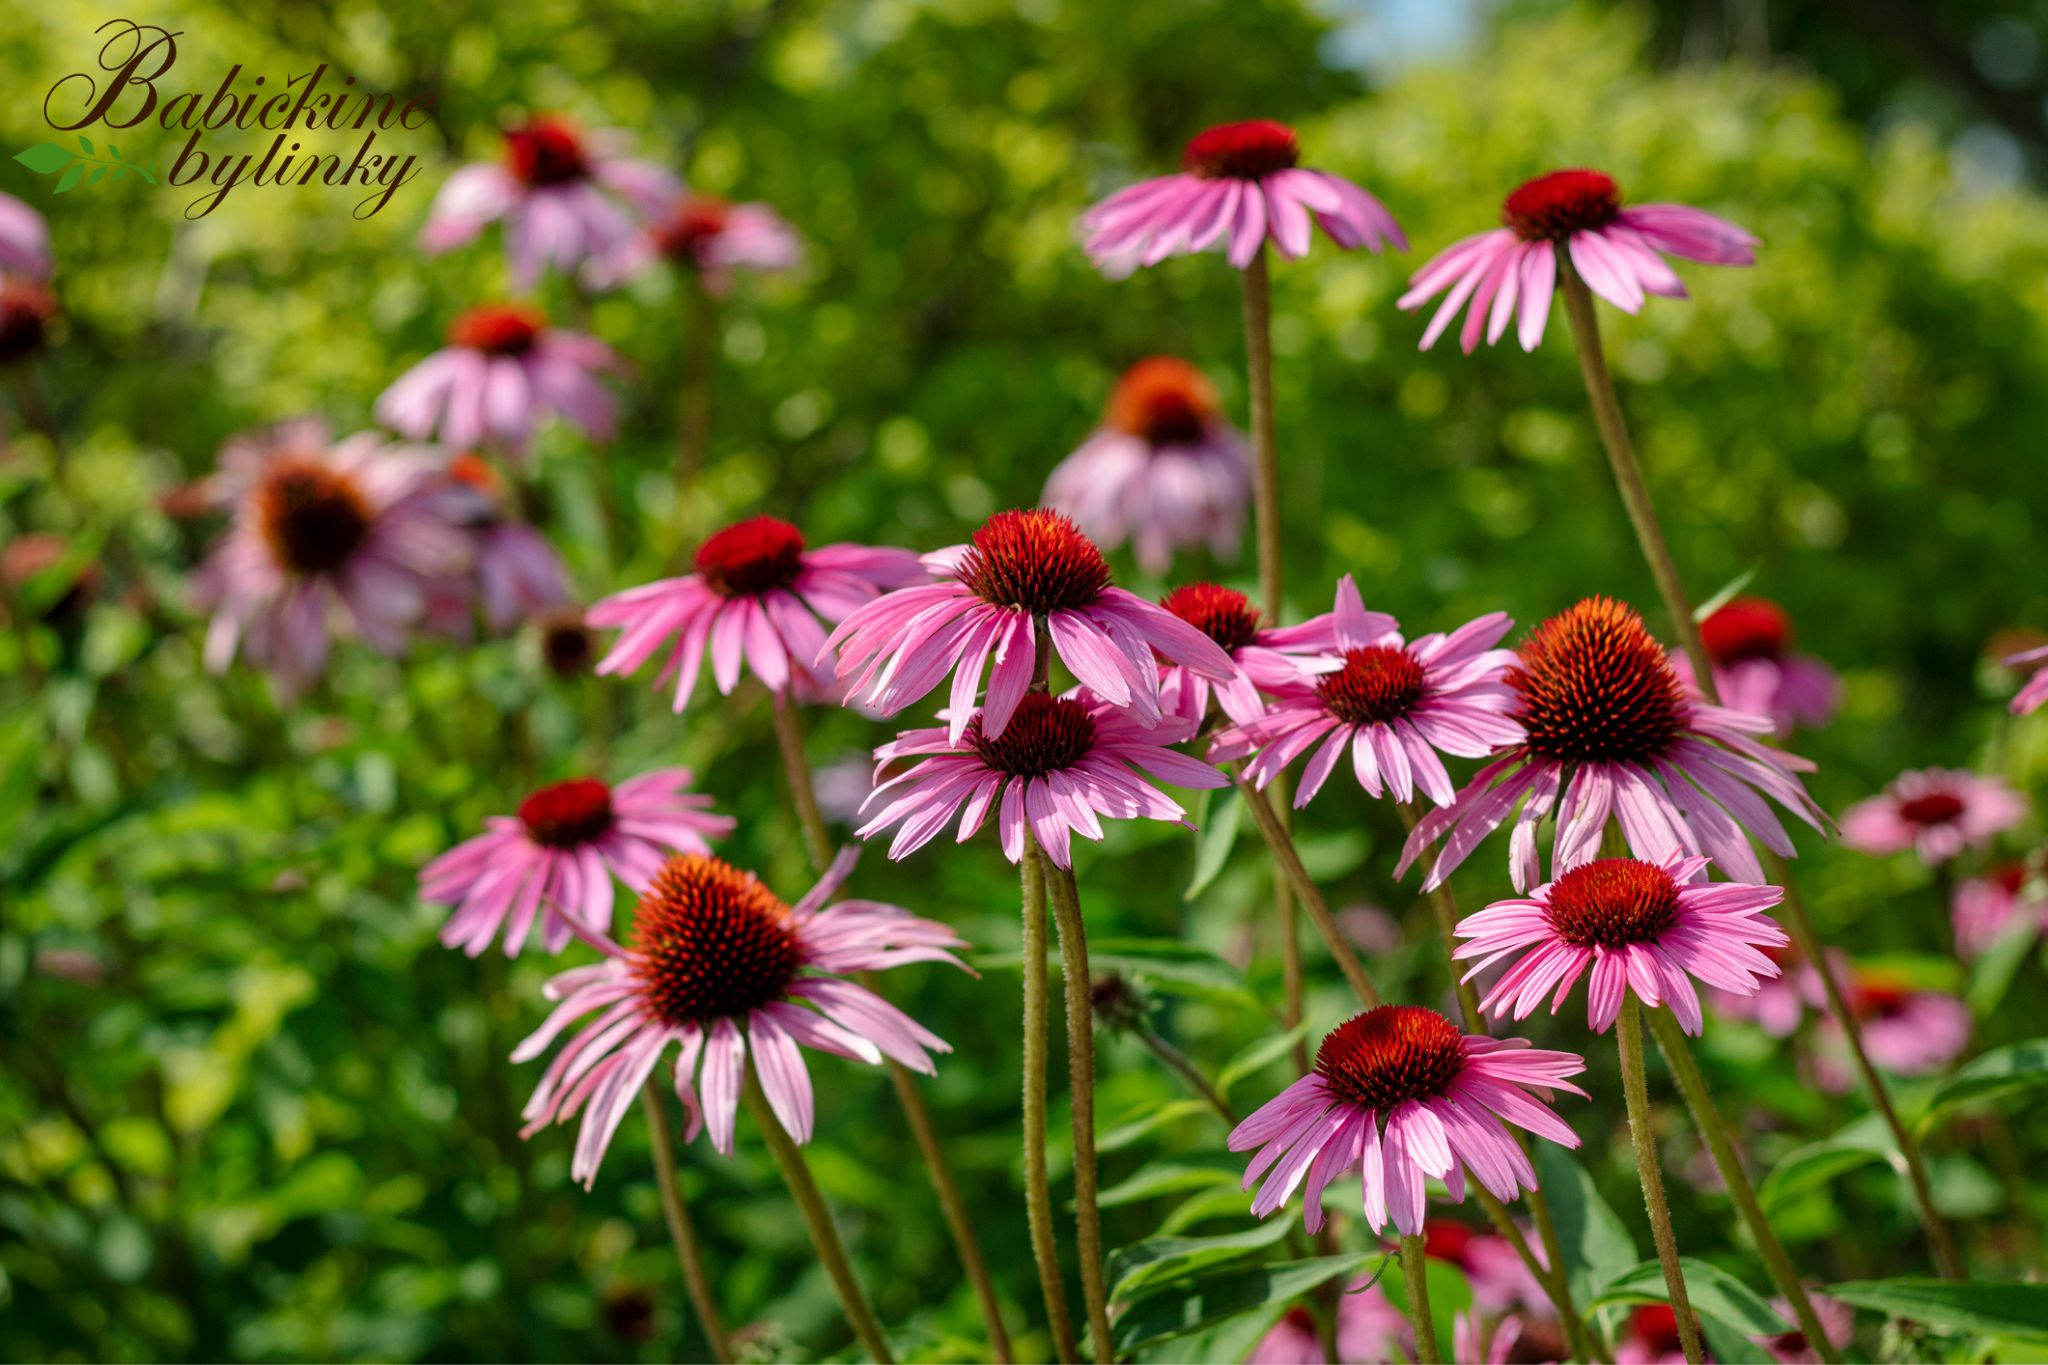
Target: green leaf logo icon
48, 158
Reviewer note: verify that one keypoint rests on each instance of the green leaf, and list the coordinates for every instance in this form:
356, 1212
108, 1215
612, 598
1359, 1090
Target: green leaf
1817, 1163
1225, 1202
1728, 593
99, 173
68, 179
1172, 966
1713, 1291
1257, 1057
2018, 1066
44, 157
1972, 1305
1214, 840
86, 143
1191, 1305
113, 151
1450, 1294
1158, 1260
1595, 1242
1170, 1177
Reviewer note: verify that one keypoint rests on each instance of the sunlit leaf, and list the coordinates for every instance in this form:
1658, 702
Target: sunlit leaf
2007, 1309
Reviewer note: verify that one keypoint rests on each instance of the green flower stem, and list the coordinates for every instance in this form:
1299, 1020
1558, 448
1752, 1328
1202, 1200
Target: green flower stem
796, 1173
1707, 1118
689, 1254
1629, 1034
1178, 1062
1080, 990
1415, 1274
803, 794
1289, 861
1045, 1248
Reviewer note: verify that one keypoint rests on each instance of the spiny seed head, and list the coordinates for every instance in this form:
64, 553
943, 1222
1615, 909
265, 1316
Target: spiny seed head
690, 225
498, 329
1377, 684
1746, 628
752, 557
546, 150
1164, 401
1225, 615
312, 517
1596, 688
568, 814
1242, 151
1391, 1054
1037, 561
711, 942
1612, 903
1552, 207
1931, 808
1045, 734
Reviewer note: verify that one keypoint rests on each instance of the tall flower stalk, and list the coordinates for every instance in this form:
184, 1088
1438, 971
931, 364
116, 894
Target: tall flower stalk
1080, 993
1642, 512
1643, 1137
1415, 1276
818, 840
676, 1213
1045, 1249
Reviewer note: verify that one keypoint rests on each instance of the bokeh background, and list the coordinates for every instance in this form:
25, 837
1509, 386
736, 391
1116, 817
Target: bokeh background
249, 1107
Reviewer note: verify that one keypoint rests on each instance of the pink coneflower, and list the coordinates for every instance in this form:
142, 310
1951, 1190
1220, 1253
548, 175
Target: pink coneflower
1264, 658
1778, 1004
504, 369
24, 240
518, 574
1651, 1338
1609, 725
1749, 640
563, 196
1906, 1030
556, 858
1059, 764
1240, 188
712, 239
1936, 812
2035, 691
1512, 1340
1443, 1097
1837, 1319
352, 536
1513, 269
1650, 928
756, 598
1020, 568
1163, 472
1494, 1270
713, 949
1393, 706
1370, 1330
26, 310
1984, 908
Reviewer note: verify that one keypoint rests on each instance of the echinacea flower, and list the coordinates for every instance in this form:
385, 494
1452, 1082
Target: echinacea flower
1986, 907
518, 574
24, 240
1935, 812
1442, 1098
351, 536
1241, 187
555, 859
1837, 1320
1264, 657
1370, 1330
1609, 726
1651, 1338
1749, 640
1492, 1267
1907, 1030
982, 614
504, 370
756, 599
26, 309
2035, 691
565, 198
1163, 472
1627, 926
718, 965
1510, 1340
1614, 248
1393, 706
1060, 764
710, 238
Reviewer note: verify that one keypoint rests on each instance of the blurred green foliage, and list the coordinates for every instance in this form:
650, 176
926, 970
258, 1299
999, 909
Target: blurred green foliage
249, 1108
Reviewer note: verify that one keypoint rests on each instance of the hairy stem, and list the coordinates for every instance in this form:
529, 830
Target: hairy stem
1415, 1274
1037, 1189
689, 1254
1080, 990
1629, 1034
1282, 846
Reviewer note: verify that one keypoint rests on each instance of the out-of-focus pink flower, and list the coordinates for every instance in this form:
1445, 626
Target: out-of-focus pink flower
26, 309
1907, 1031
1750, 641
1165, 470
564, 197
1651, 1338
756, 599
710, 238
504, 370
1513, 269
1264, 658
1935, 812
1059, 765
519, 576
1511, 1341
1242, 187
2035, 690
556, 858
1837, 1319
24, 240
1444, 1099
1778, 1003
1290, 1341
1370, 1331
1984, 908
1492, 1268
1391, 706
351, 536
713, 949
